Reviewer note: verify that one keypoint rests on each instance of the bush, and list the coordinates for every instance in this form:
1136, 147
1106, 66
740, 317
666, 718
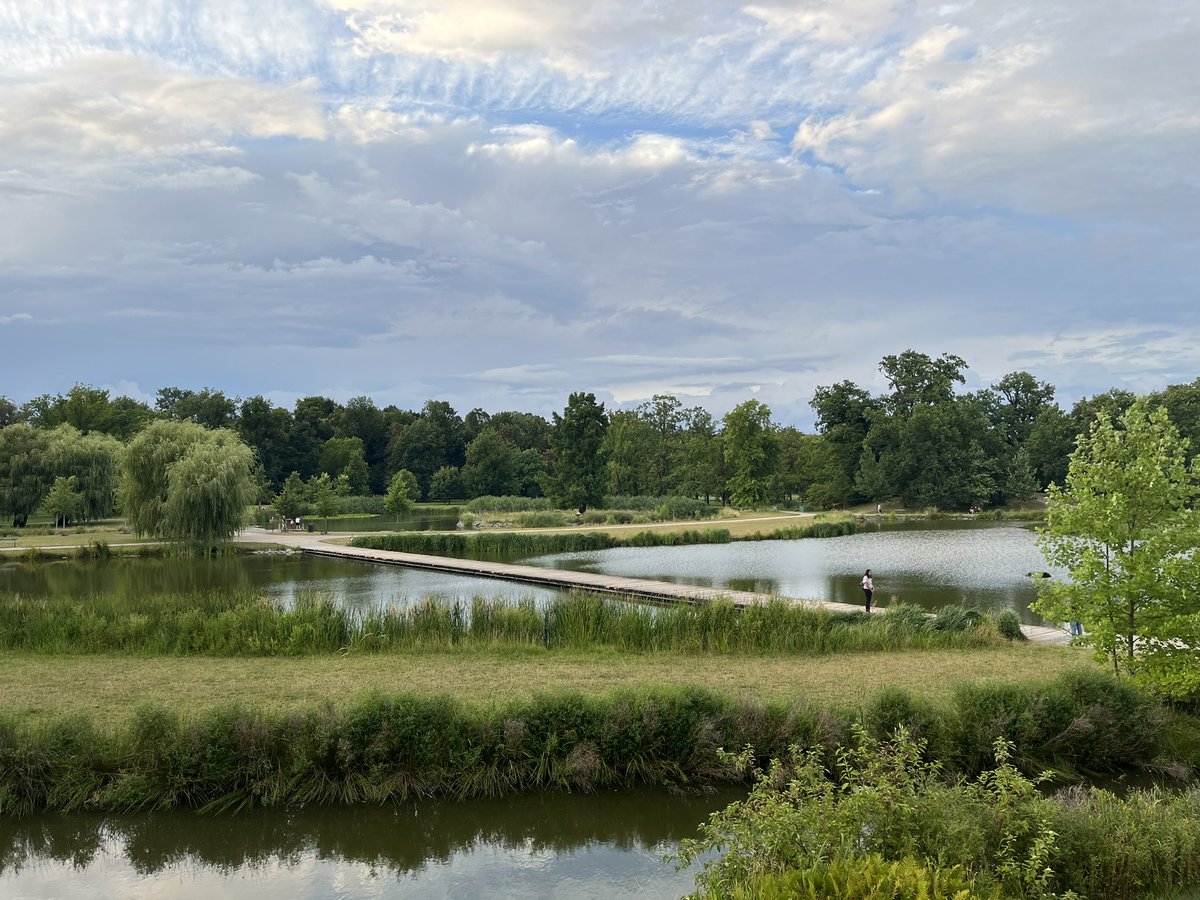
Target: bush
1009, 625
868, 877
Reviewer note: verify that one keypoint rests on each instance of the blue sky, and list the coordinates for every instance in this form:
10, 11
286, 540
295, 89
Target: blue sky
496, 202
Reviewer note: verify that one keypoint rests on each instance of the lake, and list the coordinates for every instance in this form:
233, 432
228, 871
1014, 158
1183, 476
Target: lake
547, 845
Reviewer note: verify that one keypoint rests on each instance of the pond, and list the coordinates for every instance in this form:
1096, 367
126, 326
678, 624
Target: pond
546, 845
358, 585
929, 563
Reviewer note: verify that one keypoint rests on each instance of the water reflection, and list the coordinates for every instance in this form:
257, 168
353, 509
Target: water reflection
355, 584
928, 563
543, 845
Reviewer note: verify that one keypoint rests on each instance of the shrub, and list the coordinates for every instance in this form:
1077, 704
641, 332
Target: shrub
510, 504
1009, 625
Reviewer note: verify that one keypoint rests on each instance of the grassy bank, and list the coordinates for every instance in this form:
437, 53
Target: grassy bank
38, 688
391, 747
516, 545
247, 624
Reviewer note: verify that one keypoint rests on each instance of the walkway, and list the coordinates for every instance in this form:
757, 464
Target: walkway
664, 591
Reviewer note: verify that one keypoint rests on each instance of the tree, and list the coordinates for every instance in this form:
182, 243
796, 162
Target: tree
628, 452
917, 379
323, 496
208, 406
491, 467
1022, 482
701, 468
578, 478
292, 501
183, 482
844, 416
363, 420
1022, 398
8, 412
93, 460
663, 414
63, 502
445, 484
345, 456
401, 492
1123, 528
751, 450
24, 474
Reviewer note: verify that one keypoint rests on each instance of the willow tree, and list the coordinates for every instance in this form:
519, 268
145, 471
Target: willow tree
183, 482
24, 476
1124, 528
93, 460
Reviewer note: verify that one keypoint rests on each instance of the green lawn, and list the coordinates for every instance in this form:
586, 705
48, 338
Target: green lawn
35, 688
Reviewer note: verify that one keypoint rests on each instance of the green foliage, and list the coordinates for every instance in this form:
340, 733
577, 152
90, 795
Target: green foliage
751, 451
63, 503
24, 476
1009, 625
445, 484
509, 504
346, 456
889, 810
1124, 529
183, 482
401, 492
578, 478
292, 500
501, 545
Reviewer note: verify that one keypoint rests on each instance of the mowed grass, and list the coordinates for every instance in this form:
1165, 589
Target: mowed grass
108, 688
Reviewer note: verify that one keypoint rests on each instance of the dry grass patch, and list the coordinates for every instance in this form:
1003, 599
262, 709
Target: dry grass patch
108, 688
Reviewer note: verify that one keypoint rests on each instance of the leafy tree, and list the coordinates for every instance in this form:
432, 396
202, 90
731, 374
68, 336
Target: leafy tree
93, 460
844, 416
1022, 482
491, 467
8, 412
293, 500
363, 420
183, 482
401, 492
1022, 399
445, 485
208, 406
578, 478
1113, 403
267, 430
525, 431
751, 450
1124, 528
345, 456
322, 495
1049, 445
663, 414
433, 440
919, 380
24, 474
700, 471
63, 502
1182, 402
314, 421
628, 452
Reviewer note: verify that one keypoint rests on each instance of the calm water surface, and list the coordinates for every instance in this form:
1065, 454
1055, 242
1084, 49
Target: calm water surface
550, 845
357, 584
928, 563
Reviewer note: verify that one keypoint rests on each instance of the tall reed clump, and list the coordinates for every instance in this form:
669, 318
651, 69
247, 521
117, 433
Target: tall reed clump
247, 624
393, 747
816, 529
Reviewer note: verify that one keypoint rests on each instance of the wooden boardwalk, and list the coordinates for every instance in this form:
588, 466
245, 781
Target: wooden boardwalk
563, 579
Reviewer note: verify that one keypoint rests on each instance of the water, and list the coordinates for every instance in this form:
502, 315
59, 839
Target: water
931, 564
549, 845
357, 585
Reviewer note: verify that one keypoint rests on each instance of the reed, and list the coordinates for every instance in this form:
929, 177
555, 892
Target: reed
391, 747
248, 624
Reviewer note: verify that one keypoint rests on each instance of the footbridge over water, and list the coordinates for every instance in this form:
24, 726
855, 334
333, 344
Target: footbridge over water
645, 589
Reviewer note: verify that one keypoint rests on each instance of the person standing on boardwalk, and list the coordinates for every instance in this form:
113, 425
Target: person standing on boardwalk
868, 586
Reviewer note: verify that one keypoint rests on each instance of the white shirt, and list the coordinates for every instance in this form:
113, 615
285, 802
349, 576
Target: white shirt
868, 584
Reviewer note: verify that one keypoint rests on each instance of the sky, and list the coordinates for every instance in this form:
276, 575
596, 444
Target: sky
498, 202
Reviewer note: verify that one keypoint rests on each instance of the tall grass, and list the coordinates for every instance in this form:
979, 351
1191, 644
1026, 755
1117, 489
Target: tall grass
507, 545
247, 624
392, 747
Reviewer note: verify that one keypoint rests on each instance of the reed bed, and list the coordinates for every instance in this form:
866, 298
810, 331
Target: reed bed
509, 545
393, 747
248, 624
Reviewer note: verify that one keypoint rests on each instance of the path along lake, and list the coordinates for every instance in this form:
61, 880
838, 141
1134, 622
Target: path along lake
928, 563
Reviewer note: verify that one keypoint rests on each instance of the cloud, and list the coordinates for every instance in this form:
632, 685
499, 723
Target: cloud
15, 317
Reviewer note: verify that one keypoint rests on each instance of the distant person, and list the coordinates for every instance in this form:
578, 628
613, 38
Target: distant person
878, 509
1076, 628
868, 586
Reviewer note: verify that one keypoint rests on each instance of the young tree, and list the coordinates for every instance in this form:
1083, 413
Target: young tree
579, 475
323, 496
1124, 530
401, 493
63, 502
292, 501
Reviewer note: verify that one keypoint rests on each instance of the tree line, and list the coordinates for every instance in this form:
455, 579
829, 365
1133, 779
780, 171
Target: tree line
922, 440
